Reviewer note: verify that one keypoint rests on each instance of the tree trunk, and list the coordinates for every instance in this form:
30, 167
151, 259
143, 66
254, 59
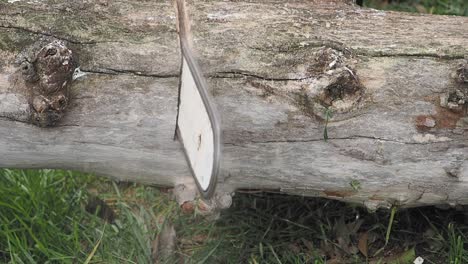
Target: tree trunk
389, 90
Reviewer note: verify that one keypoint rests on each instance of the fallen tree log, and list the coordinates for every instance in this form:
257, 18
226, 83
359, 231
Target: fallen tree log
317, 98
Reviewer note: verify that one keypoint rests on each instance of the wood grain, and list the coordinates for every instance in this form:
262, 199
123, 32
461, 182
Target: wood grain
393, 136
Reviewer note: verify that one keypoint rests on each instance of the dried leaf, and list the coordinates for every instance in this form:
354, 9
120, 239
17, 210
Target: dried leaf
345, 234
363, 242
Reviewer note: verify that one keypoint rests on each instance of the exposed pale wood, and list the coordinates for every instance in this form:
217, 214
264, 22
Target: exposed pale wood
258, 57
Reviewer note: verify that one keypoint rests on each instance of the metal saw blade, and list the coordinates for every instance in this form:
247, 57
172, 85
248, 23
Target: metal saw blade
198, 125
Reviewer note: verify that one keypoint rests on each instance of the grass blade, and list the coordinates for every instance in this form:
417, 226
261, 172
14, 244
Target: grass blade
91, 255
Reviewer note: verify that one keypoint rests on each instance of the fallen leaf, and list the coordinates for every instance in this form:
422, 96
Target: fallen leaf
345, 234
362, 244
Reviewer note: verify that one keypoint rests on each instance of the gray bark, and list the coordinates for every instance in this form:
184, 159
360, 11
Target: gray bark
394, 83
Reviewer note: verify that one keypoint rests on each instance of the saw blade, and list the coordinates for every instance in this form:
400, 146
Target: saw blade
198, 126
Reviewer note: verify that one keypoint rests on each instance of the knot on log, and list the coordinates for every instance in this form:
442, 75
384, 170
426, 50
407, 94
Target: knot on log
462, 72
335, 86
46, 68
457, 99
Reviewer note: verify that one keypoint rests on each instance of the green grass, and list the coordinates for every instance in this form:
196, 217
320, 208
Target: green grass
269, 229
457, 253
275, 228
43, 220
440, 7
35, 213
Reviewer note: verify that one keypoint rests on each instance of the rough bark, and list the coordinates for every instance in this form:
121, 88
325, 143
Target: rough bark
388, 88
